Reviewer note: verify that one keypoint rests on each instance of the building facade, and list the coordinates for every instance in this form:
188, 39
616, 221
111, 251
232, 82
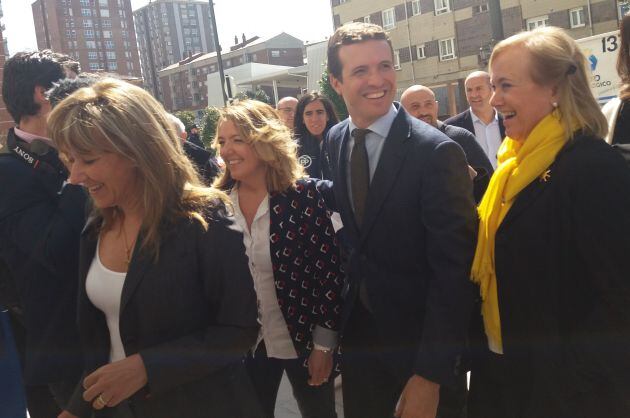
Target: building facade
169, 31
6, 121
184, 84
437, 43
99, 34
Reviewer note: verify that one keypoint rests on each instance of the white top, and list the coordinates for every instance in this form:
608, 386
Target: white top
488, 136
104, 289
273, 329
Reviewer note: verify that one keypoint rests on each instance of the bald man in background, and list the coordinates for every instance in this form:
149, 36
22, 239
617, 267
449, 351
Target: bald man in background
286, 108
419, 101
481, 119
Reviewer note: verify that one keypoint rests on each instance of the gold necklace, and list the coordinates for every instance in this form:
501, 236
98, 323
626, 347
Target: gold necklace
127, 247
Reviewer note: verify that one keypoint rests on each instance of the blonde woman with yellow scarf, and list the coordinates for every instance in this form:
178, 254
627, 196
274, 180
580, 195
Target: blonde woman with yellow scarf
553, 252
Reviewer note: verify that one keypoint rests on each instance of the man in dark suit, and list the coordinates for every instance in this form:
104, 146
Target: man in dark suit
419, 101
404, 194
481, 119
41, 217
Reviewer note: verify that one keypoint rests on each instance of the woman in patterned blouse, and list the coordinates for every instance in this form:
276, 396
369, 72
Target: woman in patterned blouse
293, 256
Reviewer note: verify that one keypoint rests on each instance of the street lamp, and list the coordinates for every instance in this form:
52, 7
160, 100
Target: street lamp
213, 21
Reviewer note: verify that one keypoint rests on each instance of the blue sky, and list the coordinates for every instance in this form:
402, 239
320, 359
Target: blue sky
309, 20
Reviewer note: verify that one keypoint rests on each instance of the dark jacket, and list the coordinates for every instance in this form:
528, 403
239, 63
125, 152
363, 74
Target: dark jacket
40, 225
475, 156
563, 274
310, 155
306, 262
196, 140
464, 120
415, 246
191, 316
204, 162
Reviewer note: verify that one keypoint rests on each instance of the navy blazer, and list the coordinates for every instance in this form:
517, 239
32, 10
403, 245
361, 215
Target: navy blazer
306, 262
415, 246
464, 120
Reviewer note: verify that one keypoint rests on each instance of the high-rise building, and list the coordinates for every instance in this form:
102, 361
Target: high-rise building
437, 43
97, 33
6, 121
169, 31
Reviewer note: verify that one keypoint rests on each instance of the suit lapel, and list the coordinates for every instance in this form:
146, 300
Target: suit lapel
140, 263
344, 195
389, 165
525, 198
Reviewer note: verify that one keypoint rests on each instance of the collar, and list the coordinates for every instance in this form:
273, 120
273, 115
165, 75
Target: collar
381, 125
475, 118
29, 137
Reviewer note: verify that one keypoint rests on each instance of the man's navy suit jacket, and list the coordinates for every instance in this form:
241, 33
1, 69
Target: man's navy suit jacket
415, 247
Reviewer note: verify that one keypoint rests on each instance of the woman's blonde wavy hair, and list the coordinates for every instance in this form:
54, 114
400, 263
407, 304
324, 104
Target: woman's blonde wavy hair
260, 126
113, 116
557, 61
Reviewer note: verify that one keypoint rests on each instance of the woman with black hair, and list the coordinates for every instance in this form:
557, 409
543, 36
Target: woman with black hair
314, 116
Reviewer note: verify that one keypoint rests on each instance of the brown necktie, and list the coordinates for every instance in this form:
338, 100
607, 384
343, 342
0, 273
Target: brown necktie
359, 173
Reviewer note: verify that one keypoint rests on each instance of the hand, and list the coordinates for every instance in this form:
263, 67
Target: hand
472, 173
66, 414
319, 367
115, 382
419, 399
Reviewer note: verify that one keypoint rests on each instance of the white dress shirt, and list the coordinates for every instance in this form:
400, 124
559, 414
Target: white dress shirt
488, 136
104, 289
374, 142
273, 329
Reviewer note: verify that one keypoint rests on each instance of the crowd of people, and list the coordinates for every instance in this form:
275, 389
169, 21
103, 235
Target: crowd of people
144, 279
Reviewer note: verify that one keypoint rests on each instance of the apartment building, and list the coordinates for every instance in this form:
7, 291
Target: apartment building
97, 33
169, 31
184, 84
6, 121
437, 43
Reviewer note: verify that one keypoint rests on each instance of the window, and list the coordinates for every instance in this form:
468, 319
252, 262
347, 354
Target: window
87, 23
104, 12
342, 1
106, 23
90, 44
85, 2
367, 19
94, 66
111, 55
92, 55
577, 17
389, 19
103, 3
107, 34
447, 49
397, 60
421, 52
86, 12
415, 7
537, 22
109, 44
112, 65
480, 8
88, 33
275, 53
442, 6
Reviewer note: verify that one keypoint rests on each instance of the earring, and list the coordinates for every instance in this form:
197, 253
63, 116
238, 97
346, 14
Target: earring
555, 105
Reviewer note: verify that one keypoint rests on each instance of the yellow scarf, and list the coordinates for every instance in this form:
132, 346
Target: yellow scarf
519, 164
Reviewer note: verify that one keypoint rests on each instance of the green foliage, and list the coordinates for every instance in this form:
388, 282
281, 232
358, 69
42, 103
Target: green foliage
209, 123
259, 95
328, 91
187, 117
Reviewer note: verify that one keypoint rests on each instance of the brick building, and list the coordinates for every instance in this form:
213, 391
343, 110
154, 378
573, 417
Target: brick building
6, 121
184, 84
437, 43
169, 31
98, 33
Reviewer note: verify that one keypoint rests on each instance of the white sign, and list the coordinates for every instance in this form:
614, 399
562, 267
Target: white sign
601, 53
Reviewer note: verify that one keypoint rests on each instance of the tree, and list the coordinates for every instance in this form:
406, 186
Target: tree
328, 91
259, 95
209, 122
187, 117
